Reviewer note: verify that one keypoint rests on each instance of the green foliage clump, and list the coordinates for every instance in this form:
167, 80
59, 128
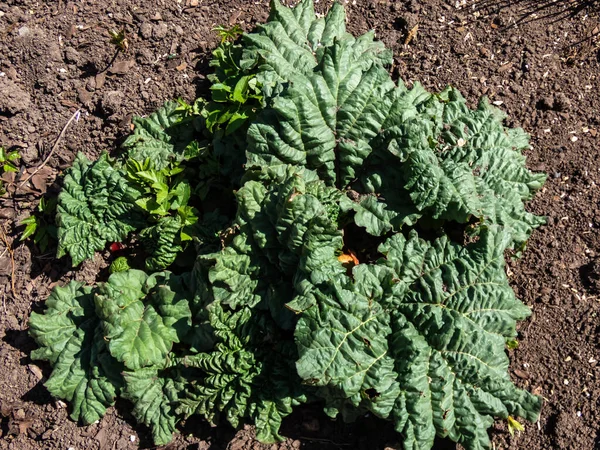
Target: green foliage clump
349, 237
8, 161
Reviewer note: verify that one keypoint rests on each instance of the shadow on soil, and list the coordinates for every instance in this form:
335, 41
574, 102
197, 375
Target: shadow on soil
533, 10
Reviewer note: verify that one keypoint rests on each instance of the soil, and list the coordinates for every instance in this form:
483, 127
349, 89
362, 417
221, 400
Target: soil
537, 60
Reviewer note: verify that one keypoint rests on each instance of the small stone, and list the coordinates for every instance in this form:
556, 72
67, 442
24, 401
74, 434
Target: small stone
36, 371
111, 102
72, 56
521, 374
100, 79
24, 31
156, 17
160, 30
84, 96
146, 30
13, 99
7, 213
120, 68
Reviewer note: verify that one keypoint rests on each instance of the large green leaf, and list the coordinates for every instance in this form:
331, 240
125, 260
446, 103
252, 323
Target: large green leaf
96, 206
343, 347
70, 337
453, 310
438, 159
155, 394
67, 308
325, 120
137, 334
229, 370
163, 136
86, 374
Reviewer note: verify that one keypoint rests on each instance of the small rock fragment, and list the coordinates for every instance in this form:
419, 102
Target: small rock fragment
72, 56
120, 68
13, 99
160, 30
146, 30
111, 102
84, 96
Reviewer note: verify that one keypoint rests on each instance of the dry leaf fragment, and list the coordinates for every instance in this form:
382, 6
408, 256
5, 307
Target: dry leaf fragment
36, 371
121, 67
412, 34
100, 79
348, 259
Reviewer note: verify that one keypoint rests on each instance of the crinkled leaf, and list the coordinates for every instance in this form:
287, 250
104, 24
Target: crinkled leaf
170, 294
66, 309
294, 40
86, 374
342, 344
96, 206
70, 337
137, 335
155, 395
325, 120
163, 137
162, 241
453, 311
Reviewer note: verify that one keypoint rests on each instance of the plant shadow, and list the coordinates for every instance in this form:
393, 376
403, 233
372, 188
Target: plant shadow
533, 10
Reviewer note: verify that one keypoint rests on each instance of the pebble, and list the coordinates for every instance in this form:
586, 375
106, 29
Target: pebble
7, 213
119, 68
146, 30
84, 96
112, 101
160, 30
24, 31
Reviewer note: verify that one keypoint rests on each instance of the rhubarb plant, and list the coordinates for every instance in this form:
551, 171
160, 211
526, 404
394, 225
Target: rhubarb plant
349, 235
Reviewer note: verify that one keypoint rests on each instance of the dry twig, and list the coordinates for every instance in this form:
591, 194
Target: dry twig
54, 147
12, 260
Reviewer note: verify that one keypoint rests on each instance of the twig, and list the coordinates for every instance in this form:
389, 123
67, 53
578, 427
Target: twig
328, 441
54, 147
12, 261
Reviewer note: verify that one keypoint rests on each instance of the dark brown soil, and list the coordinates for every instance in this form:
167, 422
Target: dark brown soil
537, 60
